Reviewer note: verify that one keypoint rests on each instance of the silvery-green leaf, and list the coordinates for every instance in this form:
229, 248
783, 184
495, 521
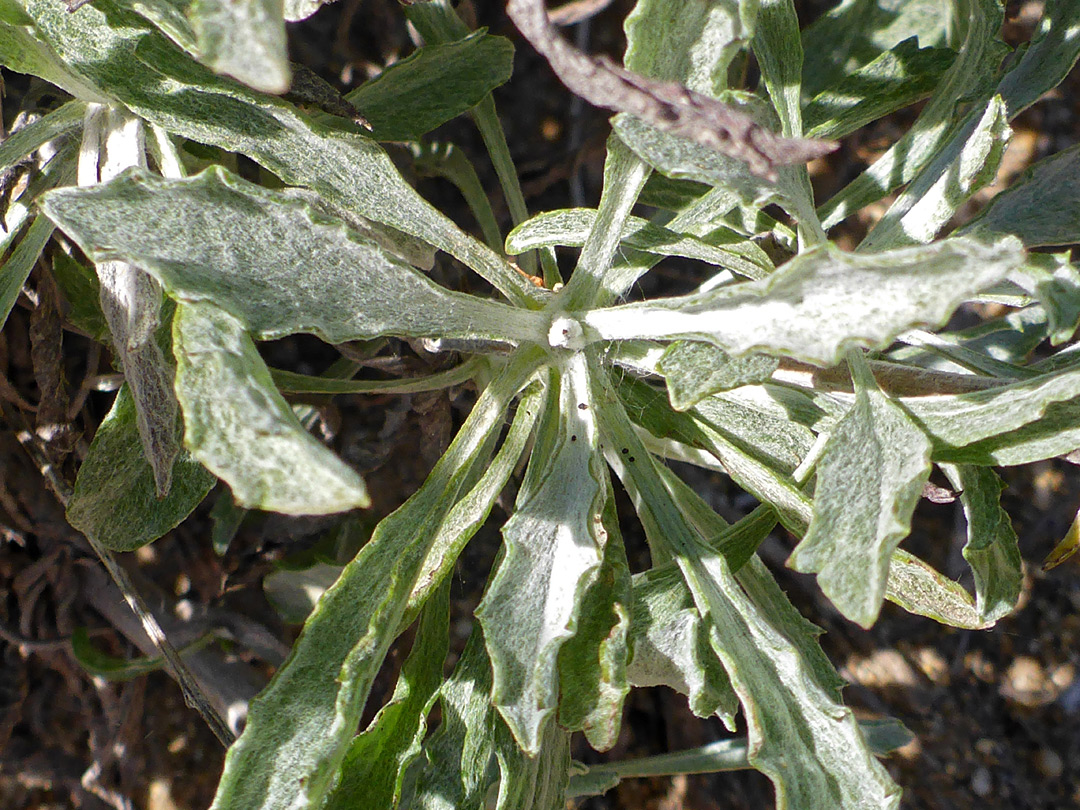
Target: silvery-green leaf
744, 454
187, 99
898, 77
24, 51
1051, 55
436, 83
971, 76
79, 286
592, 664
671, 645
242, 430
856, 32
1056, 285
294, 594
299, 728
296, 10
271, 261
1041, 208
16, 270
171, 18
869, 480
30, 138
750, 417
536, 782
243, 40
115, 499
806, 742
554, 543
441, 159
967, 164
822, 302
455, 772
692, 42
571, 227
693, 371
991, 548
374, 766
919, 589
989, 427
780, 56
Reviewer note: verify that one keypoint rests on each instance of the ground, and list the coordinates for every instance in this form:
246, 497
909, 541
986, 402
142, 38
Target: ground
993, 713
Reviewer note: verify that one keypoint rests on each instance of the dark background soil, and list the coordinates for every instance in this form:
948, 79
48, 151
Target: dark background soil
994, 713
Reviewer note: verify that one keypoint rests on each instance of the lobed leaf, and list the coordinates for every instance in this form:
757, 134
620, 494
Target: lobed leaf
240, 427
270, 260
554, 543
115, 497
821, 302
869, 479
991, 548
919, 589
436, 83
299, 727
694, 371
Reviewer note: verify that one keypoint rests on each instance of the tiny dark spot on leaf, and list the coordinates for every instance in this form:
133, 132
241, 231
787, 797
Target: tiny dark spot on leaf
583, 407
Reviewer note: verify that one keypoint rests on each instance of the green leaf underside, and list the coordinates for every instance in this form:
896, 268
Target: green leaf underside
554, 543
693, 371
270, 260
823, 301
1041, 208
373, 769
240, 427
532, 782
243, 40
869, 480
436, 83
299, 727
571, 228
81, 291
185, 98
991, 548
809, 745
115, 499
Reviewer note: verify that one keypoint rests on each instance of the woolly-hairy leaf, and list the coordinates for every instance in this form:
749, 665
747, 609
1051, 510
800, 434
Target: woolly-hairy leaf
1041, 208
869, 480
979, 58
823, 301
240, 427
967, 164
671, 645
693, 371
808, 744
554, 543
22, 142
270, 260
115, 500
16, 270
919, 589
1013, 424
532, 782
243, 40
571, 227
991, 548
185, 98
1053, 52
374, 767
299, 728
436, 83
23, 51
856, 32
592, 664
898, 77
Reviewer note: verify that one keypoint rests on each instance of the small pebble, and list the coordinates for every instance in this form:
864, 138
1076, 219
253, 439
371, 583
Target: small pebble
981, 782
1049, 763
